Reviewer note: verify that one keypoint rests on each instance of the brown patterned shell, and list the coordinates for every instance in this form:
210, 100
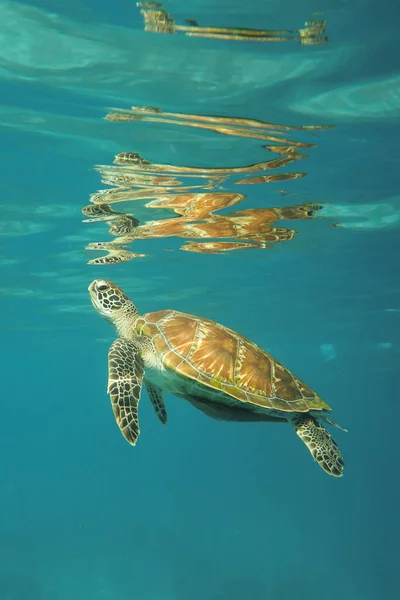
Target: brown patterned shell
222, 359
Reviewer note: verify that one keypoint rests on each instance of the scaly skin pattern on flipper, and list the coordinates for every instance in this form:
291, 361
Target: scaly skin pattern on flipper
320, 443
156, 398
217, 357
125, 375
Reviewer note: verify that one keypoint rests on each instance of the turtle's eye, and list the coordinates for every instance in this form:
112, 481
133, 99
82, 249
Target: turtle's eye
102, 287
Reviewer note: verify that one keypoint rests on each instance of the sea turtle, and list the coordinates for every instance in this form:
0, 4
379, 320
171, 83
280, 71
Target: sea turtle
220, 372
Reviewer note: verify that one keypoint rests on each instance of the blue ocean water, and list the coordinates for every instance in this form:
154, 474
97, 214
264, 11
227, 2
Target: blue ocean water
199, 509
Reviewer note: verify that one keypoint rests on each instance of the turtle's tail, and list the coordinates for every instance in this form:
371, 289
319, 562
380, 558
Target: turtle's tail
319, 442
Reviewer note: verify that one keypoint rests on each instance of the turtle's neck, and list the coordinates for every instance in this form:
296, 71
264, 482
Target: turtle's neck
125, 321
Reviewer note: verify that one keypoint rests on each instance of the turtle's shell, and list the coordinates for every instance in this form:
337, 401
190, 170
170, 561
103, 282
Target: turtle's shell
217, 357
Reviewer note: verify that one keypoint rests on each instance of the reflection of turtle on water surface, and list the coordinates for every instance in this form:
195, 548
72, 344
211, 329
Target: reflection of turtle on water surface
123, 225
220, 372
222, 247
99, 212
191, 22
116, 253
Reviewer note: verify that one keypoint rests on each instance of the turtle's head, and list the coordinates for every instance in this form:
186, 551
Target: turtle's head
112, 304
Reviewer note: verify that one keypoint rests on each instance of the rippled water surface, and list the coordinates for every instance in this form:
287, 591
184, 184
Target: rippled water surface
248, 177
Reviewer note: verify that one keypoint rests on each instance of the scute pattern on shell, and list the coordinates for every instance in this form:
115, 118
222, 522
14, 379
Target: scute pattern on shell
220, 358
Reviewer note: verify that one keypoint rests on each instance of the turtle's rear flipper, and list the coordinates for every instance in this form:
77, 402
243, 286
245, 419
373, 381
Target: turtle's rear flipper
125, 375
320, 443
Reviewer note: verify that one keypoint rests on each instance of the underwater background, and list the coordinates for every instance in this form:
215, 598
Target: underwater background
199, 509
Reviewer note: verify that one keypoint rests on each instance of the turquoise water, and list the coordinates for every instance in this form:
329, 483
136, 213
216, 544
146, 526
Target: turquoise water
199, 509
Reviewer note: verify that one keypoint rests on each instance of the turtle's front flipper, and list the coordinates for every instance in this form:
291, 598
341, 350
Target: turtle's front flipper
125, 374
156, 397
320, 443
